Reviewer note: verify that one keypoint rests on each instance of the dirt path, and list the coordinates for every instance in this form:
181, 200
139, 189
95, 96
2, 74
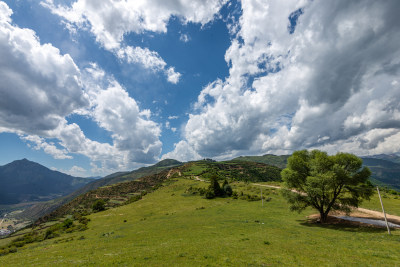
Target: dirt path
377, 214
198, 179
271, 186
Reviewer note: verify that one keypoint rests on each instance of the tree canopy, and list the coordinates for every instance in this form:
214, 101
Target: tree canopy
337, 182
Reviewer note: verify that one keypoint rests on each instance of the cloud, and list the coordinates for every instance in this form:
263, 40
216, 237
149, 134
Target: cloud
73, 171
40, 88
182, 152
168, 126
173, 117
150, 60
114, 110
109, 21
48, 148
184, 38
328, 81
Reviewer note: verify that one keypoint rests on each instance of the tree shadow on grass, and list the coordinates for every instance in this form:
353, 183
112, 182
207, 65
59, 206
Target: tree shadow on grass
343, 225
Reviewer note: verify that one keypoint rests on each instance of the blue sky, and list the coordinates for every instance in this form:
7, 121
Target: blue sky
90, 87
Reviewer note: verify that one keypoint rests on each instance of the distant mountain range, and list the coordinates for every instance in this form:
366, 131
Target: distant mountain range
26, 181
384, 172
395, 158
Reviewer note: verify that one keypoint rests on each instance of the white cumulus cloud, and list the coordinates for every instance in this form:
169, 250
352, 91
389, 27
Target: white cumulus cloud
325, 81
110, 20
40, 88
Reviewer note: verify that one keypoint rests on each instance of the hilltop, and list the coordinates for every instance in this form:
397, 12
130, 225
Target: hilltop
41, 209
274, 160
120, 193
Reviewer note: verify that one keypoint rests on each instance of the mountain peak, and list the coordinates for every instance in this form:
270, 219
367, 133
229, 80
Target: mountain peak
25, 181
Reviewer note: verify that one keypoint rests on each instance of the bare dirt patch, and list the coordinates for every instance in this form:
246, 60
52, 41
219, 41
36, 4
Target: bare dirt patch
357, 213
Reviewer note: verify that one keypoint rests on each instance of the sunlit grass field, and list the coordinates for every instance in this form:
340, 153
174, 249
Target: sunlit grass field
172, 228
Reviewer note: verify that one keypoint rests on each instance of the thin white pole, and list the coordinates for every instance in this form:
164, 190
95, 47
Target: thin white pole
384, 214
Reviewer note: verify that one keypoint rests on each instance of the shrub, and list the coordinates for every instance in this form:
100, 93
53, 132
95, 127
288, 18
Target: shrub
224, 183
99, 205
4, 251
18, 244
84, 220
68, 223
49, 234
134, 199
228, 190
210, 194
202, 191
214, 186
234, 194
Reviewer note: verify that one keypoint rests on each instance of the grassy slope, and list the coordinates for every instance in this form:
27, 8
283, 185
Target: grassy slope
391, 204
168, 228
41, 209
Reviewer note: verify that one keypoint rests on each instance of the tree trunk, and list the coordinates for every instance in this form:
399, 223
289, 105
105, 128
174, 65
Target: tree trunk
323, 217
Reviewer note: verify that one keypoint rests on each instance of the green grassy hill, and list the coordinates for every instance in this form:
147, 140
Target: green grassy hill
119, 193
172, 226
40, 209
113, 195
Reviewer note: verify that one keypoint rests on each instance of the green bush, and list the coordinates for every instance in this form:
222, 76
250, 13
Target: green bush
210, 194
68, 223
49, 234
202, 191
4, 251
215, 187
234, 194
84, 220
134, 199
18, 244
99, 205
228, 190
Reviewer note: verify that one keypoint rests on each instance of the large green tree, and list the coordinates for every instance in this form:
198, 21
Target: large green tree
337, 182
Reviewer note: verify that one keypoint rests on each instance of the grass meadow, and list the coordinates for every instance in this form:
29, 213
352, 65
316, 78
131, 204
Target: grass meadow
172, 228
